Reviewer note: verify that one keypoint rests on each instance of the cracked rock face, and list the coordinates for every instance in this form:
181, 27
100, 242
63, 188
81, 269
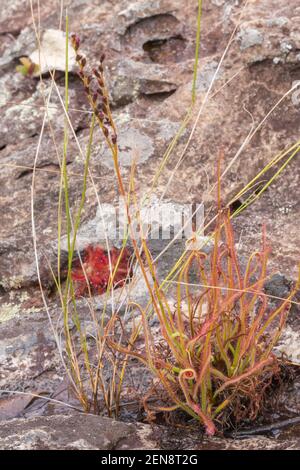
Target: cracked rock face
149, 47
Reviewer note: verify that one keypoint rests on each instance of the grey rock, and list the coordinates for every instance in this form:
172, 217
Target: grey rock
87, 432
22, 46
65, 432
250, 37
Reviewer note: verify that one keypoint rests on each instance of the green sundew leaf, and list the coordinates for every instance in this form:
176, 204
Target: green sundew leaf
177, 334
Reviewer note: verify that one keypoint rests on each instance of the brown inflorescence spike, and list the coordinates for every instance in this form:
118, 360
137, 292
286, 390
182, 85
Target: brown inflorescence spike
75, 41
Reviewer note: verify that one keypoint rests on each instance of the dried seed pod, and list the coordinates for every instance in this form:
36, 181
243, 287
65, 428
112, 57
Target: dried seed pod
102, 57
101, 82
95, 97
83, 62
100, 115
87, 90
105, 132
99, 91
75, 41
89, 78
114, 139
78, 58
81, 74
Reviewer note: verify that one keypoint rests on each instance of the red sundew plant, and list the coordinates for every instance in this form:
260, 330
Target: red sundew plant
99, 268
214, 358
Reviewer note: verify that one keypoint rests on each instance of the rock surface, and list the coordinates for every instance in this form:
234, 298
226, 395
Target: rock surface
149, 48
87, 432
149, 67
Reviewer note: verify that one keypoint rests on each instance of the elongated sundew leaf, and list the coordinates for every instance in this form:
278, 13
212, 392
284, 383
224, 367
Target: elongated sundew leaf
250, 372
221, 407
272, 316
208, 423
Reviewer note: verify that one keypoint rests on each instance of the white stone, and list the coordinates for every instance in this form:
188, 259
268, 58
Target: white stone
53, 52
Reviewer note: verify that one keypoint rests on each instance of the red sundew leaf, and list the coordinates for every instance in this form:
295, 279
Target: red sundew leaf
210, 428
97, 267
